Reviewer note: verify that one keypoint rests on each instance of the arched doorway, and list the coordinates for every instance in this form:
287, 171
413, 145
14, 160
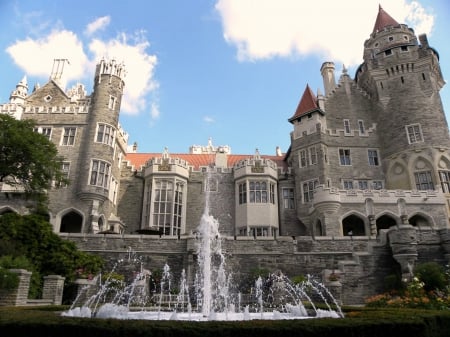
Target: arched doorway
385, 222
72, 222
353, 225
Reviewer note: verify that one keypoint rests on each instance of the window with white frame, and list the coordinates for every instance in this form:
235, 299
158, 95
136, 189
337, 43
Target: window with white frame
363, 185
377, 185
288, 198
112, 102
347, 184
100, 173
344, 157
308, 156
168, 206
424, 180
258, 191
445, 181
65, 168
46, 131
346, 126
373, 157
414, 133
113, 186
105, 134
362, 129
68, 137
272, 193
308, 188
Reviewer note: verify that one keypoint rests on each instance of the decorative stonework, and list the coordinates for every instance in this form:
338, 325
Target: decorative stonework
257, 168
164, 166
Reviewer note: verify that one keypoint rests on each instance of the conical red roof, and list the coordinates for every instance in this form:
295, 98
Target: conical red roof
383, 20
308, 103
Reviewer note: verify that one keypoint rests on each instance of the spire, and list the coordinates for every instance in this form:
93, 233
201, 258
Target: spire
20, 93
308, 103
383, 20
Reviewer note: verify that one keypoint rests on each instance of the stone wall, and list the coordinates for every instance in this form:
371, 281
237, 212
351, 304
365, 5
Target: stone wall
363, 262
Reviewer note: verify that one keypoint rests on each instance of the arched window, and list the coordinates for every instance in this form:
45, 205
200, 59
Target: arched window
419, 221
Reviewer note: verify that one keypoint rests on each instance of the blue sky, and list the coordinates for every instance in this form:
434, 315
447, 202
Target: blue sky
232, 70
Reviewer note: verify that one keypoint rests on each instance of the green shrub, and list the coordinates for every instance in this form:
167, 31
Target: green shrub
8, 280
432, 275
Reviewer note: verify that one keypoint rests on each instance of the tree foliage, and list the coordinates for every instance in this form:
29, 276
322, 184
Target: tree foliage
27, 158
32, 237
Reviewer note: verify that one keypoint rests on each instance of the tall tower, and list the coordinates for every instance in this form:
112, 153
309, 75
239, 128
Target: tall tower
101, 151
403, 77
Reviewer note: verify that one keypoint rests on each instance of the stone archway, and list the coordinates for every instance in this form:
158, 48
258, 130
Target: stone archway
385, 222
71, 222
419, 220
353, 225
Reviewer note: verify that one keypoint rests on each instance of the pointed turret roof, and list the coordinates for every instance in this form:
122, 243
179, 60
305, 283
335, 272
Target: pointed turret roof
383, 20
308, 103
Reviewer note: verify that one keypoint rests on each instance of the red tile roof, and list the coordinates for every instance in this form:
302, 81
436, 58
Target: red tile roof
137, 160
308, 103
383, 20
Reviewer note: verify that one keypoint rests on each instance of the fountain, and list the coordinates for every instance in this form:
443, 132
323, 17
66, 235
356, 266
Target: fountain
211, 298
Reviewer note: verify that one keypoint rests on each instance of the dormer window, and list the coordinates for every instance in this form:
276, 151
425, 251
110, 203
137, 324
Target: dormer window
388, 52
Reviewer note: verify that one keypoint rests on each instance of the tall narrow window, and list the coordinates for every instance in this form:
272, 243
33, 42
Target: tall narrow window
313, 155
68, 137
178, 208
162, 206
100, 171
308, 189
344, 157
303, 158
373, 157
272, 193
414, 133
112, 102
288, 198
242, 193
362, 130
346, 126
445, 181
424, 180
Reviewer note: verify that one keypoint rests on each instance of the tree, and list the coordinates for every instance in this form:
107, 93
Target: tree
27, 158
31, 238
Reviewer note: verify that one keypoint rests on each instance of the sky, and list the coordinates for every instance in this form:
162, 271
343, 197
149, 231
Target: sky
232, 71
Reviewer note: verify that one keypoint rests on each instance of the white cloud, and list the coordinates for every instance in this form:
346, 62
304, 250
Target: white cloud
154, 110
35, 57
263, 29
96, 25
208, 119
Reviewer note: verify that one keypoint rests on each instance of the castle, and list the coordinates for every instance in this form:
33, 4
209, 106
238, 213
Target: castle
364, 187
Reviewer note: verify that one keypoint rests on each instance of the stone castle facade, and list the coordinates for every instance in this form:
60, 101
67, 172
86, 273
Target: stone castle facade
363, 189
